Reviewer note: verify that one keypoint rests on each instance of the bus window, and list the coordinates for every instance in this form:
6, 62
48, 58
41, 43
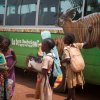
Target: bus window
12, 16
21, 12
48, 12
64, 5
92, 6
28, 12
68, 4
2, 9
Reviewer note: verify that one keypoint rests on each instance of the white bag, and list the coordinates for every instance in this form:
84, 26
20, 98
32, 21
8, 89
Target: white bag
35, 65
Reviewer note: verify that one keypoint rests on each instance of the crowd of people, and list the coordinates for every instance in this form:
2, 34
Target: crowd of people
48, 69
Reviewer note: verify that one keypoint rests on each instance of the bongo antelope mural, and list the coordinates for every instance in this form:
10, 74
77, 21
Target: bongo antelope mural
80, 27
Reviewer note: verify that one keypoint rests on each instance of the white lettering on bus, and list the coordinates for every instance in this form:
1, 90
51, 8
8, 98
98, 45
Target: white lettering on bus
24, 43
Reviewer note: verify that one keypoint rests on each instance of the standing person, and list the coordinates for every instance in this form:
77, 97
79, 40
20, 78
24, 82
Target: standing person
11, 61
73, 78
47, 68
3, 73
45, 35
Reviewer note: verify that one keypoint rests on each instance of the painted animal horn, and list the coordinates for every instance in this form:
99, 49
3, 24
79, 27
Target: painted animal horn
69, 13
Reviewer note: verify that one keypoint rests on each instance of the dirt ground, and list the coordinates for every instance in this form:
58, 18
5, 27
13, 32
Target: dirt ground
25, 88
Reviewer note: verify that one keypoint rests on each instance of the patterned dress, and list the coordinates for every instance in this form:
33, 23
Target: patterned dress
11, 74
3, 78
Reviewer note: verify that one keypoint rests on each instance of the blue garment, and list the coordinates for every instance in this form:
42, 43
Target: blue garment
45, 34
57, 70
2, 59
2, 88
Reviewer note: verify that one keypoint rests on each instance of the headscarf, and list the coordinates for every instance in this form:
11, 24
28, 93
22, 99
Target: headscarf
45, 34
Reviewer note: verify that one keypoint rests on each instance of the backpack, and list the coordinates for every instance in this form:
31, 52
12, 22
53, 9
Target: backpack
56, 69
77, 61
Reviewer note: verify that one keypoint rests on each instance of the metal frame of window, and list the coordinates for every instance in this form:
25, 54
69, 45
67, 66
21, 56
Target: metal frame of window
5, 11
84, 1
37, 13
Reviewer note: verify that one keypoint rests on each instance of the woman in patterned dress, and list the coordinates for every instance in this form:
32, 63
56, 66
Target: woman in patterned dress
11, 61
3, 73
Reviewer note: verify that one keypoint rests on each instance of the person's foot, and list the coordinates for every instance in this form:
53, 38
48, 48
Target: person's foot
67, 99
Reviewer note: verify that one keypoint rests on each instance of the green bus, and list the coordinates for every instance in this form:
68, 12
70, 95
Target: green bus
23, 20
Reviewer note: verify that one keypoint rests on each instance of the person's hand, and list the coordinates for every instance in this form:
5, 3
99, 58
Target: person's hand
90, 29
29, 68
28, 58
5, 74
9, 69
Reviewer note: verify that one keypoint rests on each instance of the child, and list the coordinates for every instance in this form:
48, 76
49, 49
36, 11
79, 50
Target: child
46, 87
45, 70
3, 73
45, 35
73, 78
11, 61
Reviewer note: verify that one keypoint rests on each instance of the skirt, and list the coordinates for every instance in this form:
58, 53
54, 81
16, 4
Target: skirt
73, 78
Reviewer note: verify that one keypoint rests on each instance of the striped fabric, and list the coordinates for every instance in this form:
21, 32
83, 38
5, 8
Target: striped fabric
60, 45
80, 28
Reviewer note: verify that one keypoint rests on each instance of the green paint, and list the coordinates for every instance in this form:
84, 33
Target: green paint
92, 60
26, 43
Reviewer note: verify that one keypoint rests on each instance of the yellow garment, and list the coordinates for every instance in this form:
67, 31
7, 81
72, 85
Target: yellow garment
73, 78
